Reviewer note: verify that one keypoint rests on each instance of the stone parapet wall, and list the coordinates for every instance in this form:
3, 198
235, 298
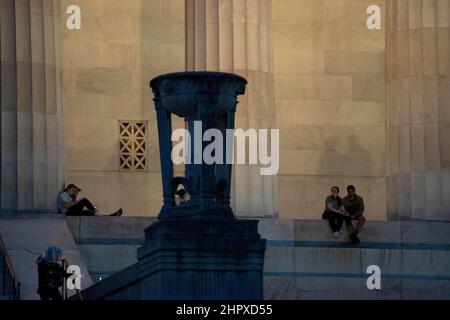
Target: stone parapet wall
303, 260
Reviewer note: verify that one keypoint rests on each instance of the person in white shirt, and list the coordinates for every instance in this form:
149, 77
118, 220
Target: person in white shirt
70, 206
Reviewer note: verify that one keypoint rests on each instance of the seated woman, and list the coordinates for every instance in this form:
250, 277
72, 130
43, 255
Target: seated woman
70, 206
333, 212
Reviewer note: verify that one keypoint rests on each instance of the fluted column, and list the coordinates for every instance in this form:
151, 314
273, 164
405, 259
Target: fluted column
418, 105
32, 153
236, 36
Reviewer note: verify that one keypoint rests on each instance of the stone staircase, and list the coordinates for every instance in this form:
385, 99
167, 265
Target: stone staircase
107, 244
26, 236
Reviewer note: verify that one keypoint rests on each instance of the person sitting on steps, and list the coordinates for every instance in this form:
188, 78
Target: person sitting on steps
353, 206
333, 212
70, 206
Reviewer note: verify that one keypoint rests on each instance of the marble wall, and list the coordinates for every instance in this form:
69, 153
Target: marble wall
330, 104
329, 91
330, 100
108, 64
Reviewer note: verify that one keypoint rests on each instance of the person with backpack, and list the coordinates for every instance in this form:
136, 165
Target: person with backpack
51, 274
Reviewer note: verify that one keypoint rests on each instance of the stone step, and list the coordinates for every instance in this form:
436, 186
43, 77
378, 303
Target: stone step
109, 246
104, 260
94, 230
342, 288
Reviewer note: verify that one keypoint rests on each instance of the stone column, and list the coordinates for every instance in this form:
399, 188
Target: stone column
32, 162
418, 109
236, 36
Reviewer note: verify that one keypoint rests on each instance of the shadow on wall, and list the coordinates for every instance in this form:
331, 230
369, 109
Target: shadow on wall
345, 162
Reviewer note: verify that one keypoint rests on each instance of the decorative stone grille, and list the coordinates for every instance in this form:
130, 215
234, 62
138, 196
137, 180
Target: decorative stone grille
132, 145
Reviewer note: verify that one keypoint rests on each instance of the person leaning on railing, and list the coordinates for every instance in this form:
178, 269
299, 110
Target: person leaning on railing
51, 274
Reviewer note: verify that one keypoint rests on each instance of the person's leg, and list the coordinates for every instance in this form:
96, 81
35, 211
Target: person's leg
348, 224
361, 220
354, 233
118, 213
43, 293
44, 297
339, 221
55, 295
87, 213
331, 220
48, 294
86, 203
77, 209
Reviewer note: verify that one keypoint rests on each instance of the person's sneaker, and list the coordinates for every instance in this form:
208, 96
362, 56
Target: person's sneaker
354, 238
118, 213
337, 234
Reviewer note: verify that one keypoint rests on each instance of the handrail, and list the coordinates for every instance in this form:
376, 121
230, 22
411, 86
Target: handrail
11, 269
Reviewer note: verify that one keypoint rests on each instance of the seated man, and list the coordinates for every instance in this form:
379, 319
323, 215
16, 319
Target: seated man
70, 206
353, 210
333, 212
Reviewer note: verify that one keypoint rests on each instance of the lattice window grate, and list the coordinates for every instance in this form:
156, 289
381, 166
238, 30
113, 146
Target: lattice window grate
133, 145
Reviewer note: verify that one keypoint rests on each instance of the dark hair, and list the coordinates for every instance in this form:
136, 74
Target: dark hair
351, 188
335, 187
70, 186
181, 192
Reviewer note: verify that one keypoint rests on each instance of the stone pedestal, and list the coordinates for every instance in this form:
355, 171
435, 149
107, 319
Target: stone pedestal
236, 36
418, 109
202, 260
198, 250
31, 129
